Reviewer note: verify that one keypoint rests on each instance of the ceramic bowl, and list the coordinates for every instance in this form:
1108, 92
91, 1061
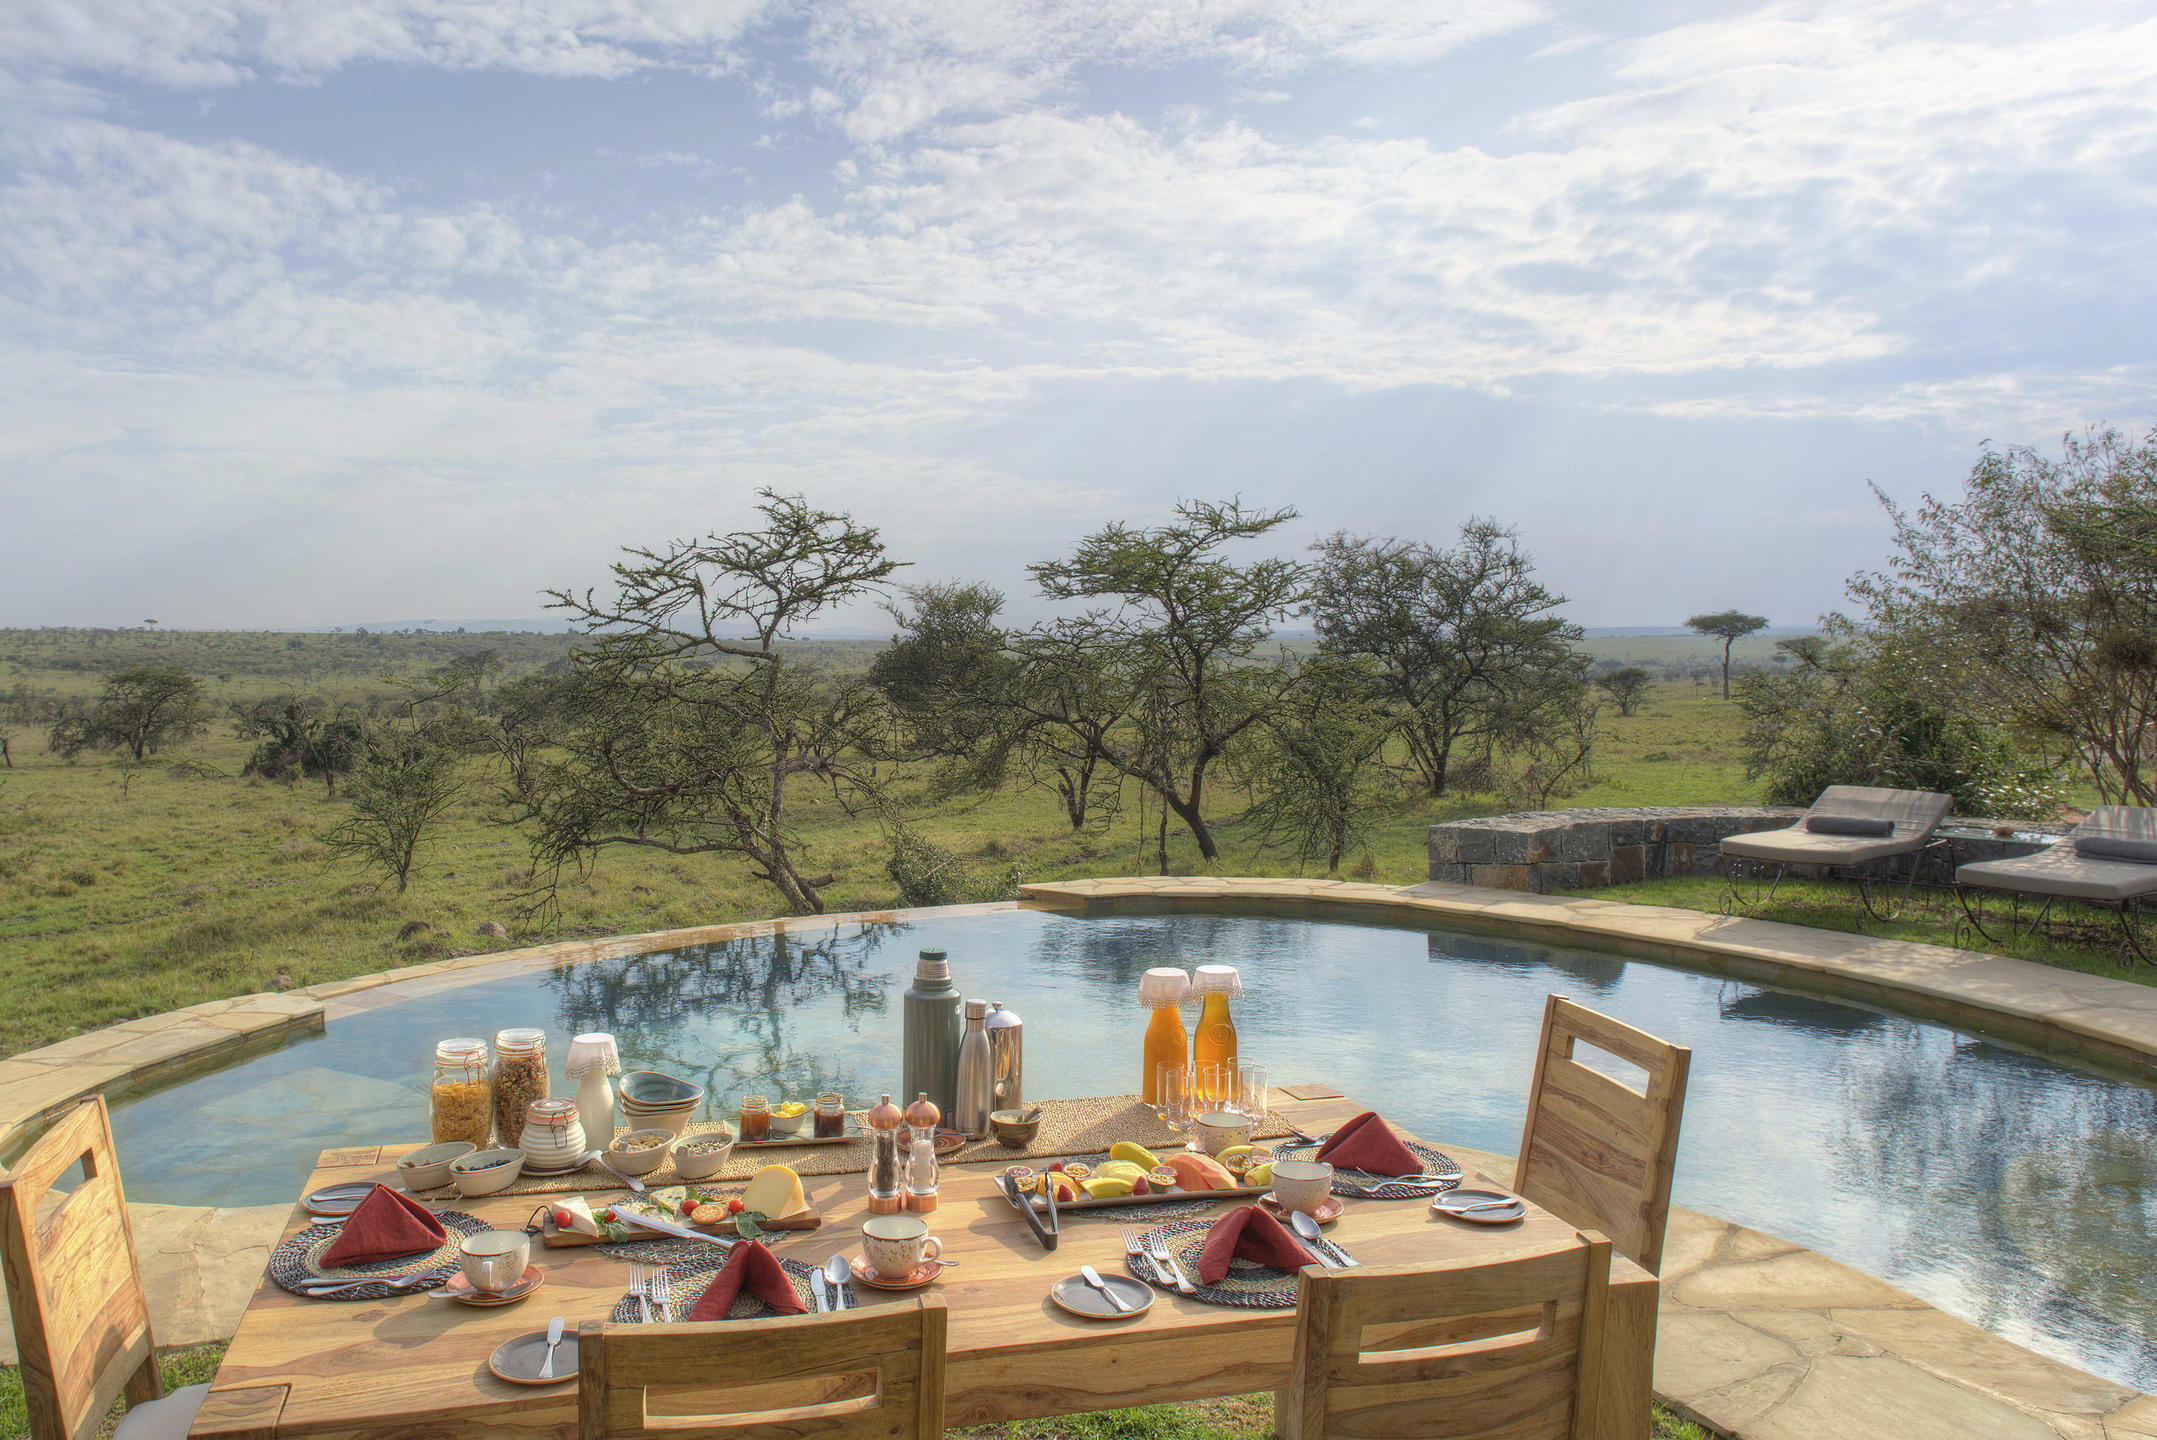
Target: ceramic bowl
652, 1090
485, 1171
789, 1124
1011, 1131
427, 1168
672, 1121
702, 1157
646, 1157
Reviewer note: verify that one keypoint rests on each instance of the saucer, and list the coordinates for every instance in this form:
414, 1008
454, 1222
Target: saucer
1328, 1211
458, 1288
927, 1271
1454, 1204
1072, 1293
518, 1361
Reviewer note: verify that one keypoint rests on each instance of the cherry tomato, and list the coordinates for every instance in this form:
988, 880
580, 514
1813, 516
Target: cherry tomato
734, 1206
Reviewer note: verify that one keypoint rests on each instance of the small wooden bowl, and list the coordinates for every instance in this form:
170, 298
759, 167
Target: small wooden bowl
1012, 1132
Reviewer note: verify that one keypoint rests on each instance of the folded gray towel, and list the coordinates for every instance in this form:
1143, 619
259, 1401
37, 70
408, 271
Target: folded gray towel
1848, 825
2117, 847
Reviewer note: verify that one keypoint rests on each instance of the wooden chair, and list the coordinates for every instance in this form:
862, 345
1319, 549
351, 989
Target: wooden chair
1510, 1345
1595, 1152
875, 1374
82, 1321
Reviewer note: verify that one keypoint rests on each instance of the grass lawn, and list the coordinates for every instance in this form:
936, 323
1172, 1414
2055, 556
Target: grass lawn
1245, 1417
2074, 938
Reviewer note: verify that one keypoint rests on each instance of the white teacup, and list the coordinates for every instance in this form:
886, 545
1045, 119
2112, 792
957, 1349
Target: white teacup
1220, 1129
897, 1244
1301, 1184
495, 1259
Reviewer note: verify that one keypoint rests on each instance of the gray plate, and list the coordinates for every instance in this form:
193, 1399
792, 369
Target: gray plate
1454, 1203
1074, 1294
518, 1360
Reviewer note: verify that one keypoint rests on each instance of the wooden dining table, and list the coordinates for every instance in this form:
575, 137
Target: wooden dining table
416, 1365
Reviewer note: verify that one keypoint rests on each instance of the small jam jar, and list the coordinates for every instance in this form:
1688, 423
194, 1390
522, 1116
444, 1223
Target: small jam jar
755, 1118
830, 1115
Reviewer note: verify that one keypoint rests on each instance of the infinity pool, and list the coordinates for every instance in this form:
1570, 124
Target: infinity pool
2014, 1191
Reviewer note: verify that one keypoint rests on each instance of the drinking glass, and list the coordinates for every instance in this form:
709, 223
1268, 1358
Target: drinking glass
1213, 1087
1251, 1093
1172, 1086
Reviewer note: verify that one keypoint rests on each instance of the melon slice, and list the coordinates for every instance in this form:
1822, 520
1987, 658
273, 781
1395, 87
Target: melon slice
1199, 1172
775, 1193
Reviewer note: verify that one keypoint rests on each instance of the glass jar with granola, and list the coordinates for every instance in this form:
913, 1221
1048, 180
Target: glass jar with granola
520, 1077
461, 1102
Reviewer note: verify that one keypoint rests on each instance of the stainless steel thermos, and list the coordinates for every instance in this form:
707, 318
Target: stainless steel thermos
1004, 1060
976, 1085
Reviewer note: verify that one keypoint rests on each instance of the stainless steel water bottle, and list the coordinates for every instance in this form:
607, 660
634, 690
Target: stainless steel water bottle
975, 1084
931, 1028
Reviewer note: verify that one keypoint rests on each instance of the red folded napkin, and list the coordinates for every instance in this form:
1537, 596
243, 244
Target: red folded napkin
753, 1268
384, 1226
1252, 1233
1368, 1144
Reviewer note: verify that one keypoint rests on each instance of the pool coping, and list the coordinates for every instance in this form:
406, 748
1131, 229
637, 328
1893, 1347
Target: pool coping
1750, 1357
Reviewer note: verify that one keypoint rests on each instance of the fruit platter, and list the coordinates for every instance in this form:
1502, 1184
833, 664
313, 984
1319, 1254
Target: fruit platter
1133, 1175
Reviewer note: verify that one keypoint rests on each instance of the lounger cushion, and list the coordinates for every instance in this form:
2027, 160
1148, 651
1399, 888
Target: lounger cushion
2116, 847
1849, 825
2064, 874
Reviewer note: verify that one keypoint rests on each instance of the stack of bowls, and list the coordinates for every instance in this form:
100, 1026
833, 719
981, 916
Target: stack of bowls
651, 1101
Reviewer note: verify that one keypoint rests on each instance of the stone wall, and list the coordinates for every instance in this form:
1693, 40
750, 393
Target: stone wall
1578, 849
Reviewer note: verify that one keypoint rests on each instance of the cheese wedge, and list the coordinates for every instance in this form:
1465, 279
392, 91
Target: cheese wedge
775, 1193
581, 1219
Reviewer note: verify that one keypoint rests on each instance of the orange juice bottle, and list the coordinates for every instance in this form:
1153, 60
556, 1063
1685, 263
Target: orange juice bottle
1213, 1043
1162, 990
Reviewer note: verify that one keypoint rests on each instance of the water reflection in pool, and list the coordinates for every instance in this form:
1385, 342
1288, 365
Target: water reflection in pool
2005, 1188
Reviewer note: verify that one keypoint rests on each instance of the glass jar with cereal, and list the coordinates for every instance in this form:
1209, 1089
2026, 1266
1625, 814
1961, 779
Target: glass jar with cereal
461, 1103
520, 1077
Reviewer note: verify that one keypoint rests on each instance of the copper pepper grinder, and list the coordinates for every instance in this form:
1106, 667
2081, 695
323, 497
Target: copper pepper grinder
922, 1118
887, 1159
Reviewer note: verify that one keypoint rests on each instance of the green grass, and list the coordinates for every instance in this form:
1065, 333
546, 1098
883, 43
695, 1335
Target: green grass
2074, 938
1242, 1417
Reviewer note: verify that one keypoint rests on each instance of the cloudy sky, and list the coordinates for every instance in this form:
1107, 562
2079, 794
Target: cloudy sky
322, 312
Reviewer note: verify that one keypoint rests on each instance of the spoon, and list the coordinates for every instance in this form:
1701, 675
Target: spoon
1093, 1278
554, 1338
835, 1273
636, 1186
1306, 1228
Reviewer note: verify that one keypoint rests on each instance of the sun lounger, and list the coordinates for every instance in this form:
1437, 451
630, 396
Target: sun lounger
1849, 826
2110, 859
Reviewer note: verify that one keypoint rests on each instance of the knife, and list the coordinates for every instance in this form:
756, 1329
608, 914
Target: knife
554, 1338
821, 1286
668, 1227
836, 1270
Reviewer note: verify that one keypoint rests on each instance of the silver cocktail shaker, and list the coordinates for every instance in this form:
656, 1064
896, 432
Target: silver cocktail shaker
1004, 1029
976, 1085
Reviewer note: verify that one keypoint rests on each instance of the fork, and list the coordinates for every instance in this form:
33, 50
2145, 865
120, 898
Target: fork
663, 1282
1165, 1262
640, 1285
1131, 1246
1420, 1183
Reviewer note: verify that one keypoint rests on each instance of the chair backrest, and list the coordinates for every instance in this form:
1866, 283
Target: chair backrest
2120, 822
82, 1321
1508, 1345
875, 1374
1596, 1152
1914, 812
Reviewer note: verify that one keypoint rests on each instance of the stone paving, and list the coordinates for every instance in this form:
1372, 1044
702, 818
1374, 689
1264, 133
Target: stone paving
1759, 1338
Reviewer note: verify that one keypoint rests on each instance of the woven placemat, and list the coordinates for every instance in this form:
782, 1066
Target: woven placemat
297, 1261
1247, 1283
688, 1280
1362, 1185
1068, 1127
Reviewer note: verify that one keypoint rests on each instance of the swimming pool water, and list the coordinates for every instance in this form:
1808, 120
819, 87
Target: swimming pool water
2017, 1192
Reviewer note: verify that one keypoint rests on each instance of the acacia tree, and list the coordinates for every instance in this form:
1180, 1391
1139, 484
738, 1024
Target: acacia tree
406, 783
2038, 591
1627, 686
685, 726
1467, 646
142, 709
1729, 626
297, 736
1314, 763
1176, 640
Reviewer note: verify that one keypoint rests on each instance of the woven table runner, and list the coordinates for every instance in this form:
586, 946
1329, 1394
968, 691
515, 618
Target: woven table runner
1068, 1127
